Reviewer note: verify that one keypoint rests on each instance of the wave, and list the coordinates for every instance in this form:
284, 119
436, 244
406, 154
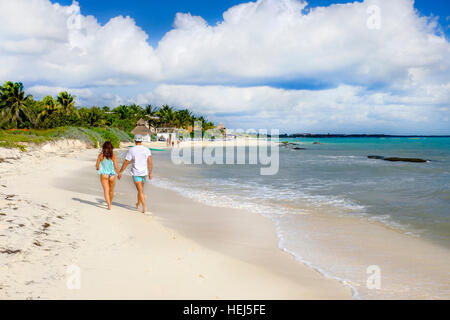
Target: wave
212, 198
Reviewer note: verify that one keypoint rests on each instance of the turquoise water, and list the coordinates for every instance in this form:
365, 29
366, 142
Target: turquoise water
412, 196
334, 177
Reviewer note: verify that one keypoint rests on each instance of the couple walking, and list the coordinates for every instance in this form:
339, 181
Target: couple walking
140, 158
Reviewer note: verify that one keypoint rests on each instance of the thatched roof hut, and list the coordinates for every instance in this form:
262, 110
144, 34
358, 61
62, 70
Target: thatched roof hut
142, 130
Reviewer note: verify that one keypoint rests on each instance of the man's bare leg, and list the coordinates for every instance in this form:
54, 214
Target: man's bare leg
141, 196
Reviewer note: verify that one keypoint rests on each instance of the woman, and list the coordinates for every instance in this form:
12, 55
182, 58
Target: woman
107, 169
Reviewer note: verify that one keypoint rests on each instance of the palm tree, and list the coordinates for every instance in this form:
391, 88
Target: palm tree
150, 110
136, 111
151, 113
34, 113
50, 107
95, 117
167, 115
183, 118
206, 125
67, 102
13, 101
122, 111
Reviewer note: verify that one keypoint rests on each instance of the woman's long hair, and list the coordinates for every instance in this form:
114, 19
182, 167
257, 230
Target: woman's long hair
107, 150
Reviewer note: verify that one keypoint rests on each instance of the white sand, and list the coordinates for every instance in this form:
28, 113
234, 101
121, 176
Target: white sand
57, 219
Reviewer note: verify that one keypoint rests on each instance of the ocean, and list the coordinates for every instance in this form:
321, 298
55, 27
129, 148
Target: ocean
342, 213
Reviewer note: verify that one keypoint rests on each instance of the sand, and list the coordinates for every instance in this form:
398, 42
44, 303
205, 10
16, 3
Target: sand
53, 224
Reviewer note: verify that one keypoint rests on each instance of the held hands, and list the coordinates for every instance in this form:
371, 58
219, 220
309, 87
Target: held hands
119, 175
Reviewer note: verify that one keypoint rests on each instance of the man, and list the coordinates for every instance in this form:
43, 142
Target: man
141, 161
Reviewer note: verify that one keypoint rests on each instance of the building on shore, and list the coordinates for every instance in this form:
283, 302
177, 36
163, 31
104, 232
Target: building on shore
144, 129
167, 134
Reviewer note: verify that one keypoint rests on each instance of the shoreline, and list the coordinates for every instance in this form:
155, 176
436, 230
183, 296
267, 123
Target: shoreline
344, 247
130, 256
422, 259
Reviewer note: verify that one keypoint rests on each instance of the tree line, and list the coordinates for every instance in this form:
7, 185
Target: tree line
19, 110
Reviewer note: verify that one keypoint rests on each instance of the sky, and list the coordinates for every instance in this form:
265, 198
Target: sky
373, 66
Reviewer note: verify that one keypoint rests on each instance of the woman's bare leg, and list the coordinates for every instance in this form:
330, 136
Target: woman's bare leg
112, 185
105, 184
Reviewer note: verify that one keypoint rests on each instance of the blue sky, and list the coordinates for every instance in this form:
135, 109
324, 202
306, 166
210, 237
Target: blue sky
372, 66
156, 16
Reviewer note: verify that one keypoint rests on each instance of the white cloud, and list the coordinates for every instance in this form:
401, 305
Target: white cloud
58, 45
46, 90
262, 41
275, 40
399, 73
82, 96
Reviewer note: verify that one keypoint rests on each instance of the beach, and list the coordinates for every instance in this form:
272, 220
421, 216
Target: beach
54, 225
300, 151
349, 217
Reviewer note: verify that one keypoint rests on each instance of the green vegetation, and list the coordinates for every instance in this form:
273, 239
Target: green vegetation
11, 145
107, 135
95, 136
24, 119
81, 134
19, 110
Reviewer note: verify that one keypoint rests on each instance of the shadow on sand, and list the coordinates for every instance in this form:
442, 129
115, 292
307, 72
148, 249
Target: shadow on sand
102, 204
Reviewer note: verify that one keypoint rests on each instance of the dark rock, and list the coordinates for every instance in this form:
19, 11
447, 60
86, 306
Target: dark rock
395, 159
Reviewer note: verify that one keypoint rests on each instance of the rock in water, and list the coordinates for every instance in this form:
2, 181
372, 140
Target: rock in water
395, 159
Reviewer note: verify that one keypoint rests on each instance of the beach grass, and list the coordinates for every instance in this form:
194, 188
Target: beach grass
108, 135
12, 145
29, 136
